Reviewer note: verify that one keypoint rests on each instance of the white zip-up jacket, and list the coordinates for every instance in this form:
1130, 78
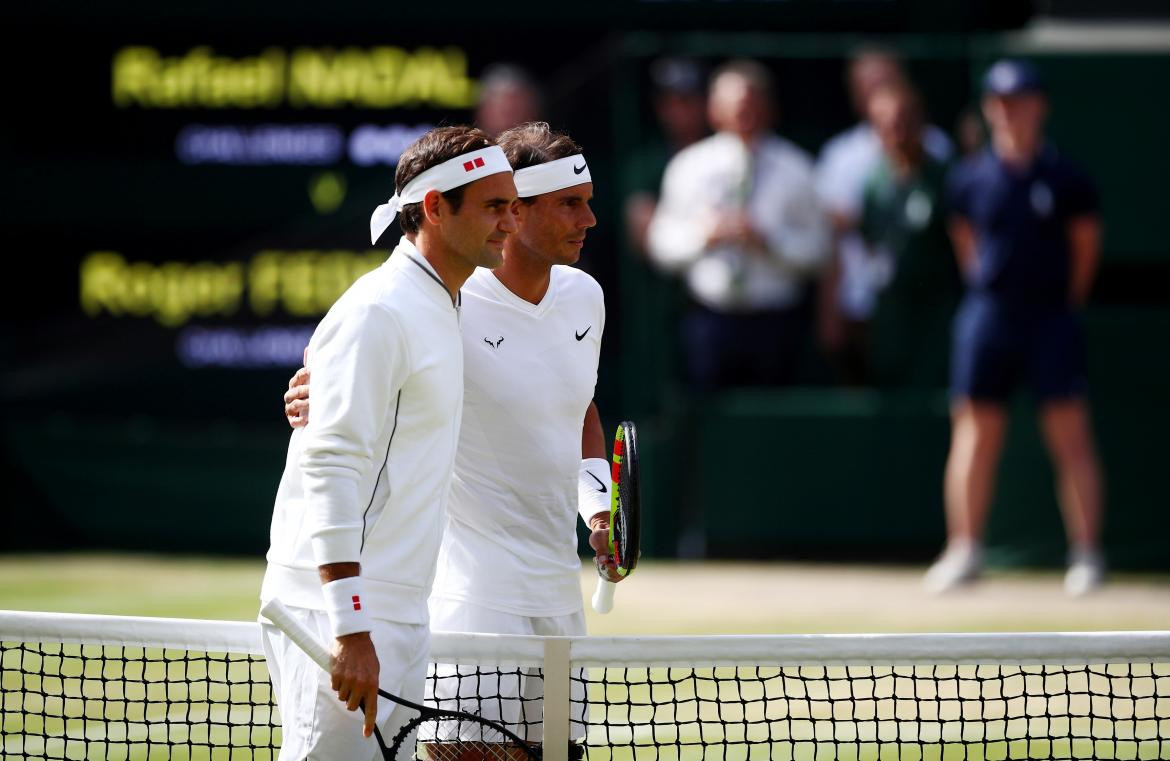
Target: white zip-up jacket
367, 480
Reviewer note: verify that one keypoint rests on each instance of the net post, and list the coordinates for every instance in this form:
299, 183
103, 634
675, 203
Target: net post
556, 698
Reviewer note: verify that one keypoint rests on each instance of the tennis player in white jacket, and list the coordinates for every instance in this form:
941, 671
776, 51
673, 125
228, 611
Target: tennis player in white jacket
360, 508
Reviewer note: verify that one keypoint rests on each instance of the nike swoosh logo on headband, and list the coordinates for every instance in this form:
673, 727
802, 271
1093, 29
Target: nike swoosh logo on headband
580, 169
600, 486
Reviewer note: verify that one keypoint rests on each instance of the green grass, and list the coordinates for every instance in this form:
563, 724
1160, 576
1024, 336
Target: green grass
800, 714
662, 597
138, 707
851, 751
104, 702
965, 712
132, 585
182, 723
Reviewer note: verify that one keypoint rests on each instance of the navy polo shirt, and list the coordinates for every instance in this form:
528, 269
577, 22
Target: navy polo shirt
1020, 218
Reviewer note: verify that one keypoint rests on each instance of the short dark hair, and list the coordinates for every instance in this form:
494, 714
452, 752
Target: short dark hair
682, 76
535, 143
439, 145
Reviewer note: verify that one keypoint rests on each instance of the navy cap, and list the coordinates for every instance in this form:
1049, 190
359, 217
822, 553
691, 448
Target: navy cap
1008, 77
680, 75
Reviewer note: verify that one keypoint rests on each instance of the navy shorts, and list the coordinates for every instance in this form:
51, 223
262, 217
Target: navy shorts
996, 348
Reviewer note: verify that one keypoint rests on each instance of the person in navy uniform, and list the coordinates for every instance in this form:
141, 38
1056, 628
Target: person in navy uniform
1026, 231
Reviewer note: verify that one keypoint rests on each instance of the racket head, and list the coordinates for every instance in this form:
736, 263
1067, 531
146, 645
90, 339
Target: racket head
625, 519
456, 724
438, 735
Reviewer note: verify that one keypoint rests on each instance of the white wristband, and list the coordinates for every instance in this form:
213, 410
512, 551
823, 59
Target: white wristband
343, 606
593, 488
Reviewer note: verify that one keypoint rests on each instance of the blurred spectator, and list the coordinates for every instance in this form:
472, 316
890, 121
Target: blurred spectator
680, 107
508, 97
970, 132
1026, 232
739, 219
902, 226
850, 285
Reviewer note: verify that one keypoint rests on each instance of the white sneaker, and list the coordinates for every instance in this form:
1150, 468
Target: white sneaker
1086, 572
960, 563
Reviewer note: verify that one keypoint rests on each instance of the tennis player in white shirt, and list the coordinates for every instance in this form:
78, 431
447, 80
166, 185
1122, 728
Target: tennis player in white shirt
359, 512
531, 453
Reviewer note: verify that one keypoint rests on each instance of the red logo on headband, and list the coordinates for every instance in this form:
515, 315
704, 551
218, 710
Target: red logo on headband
357, 603
469, 165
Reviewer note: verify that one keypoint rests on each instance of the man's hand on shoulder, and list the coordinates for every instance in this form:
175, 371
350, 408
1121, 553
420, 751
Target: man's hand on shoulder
355, 675
296, 399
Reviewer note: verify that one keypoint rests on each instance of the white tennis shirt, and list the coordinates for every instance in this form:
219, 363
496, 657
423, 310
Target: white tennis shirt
367, 480
529, 375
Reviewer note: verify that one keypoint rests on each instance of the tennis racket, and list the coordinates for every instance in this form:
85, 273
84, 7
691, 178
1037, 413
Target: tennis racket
625, 513
445, 731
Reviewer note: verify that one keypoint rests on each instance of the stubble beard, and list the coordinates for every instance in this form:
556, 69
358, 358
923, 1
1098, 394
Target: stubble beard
489, 257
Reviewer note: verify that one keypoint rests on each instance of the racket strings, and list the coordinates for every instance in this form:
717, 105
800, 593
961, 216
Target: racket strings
456, 738
446, 729
472, 751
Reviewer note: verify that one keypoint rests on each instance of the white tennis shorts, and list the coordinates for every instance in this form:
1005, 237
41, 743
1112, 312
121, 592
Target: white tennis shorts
514, 698
314, 722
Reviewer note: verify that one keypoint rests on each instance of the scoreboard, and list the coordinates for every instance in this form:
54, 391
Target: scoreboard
182, 208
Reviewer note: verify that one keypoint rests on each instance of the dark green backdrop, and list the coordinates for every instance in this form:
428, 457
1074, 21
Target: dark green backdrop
108, 442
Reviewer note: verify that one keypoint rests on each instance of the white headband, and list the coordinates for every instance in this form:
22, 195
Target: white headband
452, 173
550, 176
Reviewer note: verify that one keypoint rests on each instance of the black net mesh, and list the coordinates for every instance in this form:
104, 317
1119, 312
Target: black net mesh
1115, 711
131, 702
125, 703
510, 696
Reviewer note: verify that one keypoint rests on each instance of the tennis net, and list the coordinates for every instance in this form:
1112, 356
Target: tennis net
98, 687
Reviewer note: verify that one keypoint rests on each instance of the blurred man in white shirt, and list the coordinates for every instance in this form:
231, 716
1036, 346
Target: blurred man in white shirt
739, 219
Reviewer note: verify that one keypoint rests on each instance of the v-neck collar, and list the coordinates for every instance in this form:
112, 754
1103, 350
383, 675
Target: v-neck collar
510, 298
